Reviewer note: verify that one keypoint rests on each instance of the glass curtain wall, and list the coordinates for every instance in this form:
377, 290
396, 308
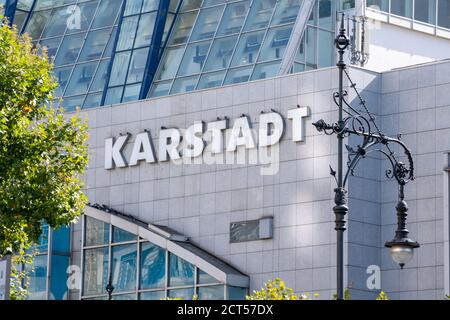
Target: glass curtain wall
139, 269
216, 43
48, 274
434, 12
79, 37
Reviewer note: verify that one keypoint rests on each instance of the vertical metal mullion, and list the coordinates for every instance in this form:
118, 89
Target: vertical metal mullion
83, 234
138, 265
239, 39
49, 262
166, 283
195, 280
225, 7
110, 263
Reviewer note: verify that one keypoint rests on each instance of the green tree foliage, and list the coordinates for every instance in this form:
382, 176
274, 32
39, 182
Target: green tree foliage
382, 296
43, 153
277, 290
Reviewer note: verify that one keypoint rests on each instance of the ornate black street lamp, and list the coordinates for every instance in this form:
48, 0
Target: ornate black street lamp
109, 287
361, 123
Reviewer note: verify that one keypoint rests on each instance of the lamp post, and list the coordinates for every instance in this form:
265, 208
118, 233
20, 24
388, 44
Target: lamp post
361, 123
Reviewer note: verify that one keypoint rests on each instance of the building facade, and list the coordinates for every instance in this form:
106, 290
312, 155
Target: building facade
206, 176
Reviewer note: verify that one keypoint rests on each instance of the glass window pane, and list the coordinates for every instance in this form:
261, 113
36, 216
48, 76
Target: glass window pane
247, 49
181, 272
167, 27
38, 278
150, 5
106, 13
233, 18
266, 70
275, 43
92, 100
190, 4
382, 5
300, 56
19, 19
238, 75
184, 85
52, 47
24, 4
96, 232
211, 80
194, 58
100, 76
137, 65
220, 54
286, 11
94, 45
299, 67
145, 30
58, 21
119, 68
124, 267
444, 14
61, 240
236, 293
211, 293
81, 16
110, 46
325, 48
62, 76
260, 14
120, 235
206, 24
160, 88
183, 27
402, 8
311, 38
425, 11
183, 294
95, 271
171, 63
131, 92
41, 245
81, 78
204, 278
133, 7
58, 277
131, 296
153, 266
70, 47
326, 14
114, 95
37, 23
72, 103
127, 33
207, 3
152, 295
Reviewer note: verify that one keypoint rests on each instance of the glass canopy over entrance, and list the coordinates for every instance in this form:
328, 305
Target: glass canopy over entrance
150, 262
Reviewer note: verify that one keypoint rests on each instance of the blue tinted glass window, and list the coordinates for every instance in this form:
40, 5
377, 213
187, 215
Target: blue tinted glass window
181, 272
248, 48
19, 19
211, 293
220, 54
150, 5
425, 11
81, 17
133, 7
170, 63
207, 3
106, 13
24, 4
183, 294
153, 266
206, 24
72, 103
286, 11
110, 47
62, 76
61, 240
38, 278
160, 88
204, 278
137, 65
120, 235
236, 293
145, 30
52, 47
131, 92
96, 232
382, 5
58, 277
119, 68
325, 51
326, 14
210, 80
127, 33
260, 14
311, 41
233, 18
131, 296
95, 271
113, 95
184, 84
70, 47
153, 295
182, 27
94, 45
100, 76
93, 100
57, 22
37, 23
275, 43
41, 245
266, 70
81, 78
238, 75
194, 58
190, 4
402, 7
124, 267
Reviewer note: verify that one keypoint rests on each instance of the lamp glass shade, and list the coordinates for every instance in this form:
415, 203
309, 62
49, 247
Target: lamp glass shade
402, 254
